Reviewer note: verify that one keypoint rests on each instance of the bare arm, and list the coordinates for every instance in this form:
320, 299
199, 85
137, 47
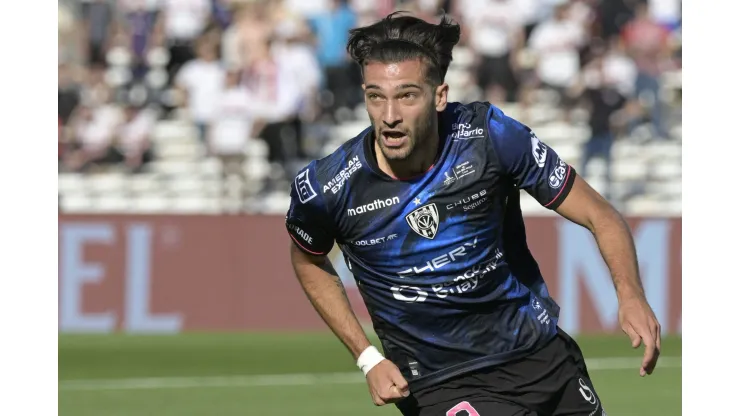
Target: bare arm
325, 290
584, 206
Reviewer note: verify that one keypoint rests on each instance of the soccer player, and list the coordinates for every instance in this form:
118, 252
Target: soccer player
424, 205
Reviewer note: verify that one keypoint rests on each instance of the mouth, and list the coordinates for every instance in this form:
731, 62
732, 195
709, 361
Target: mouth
394, 138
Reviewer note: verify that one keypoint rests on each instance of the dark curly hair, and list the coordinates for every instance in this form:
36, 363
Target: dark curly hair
400, 38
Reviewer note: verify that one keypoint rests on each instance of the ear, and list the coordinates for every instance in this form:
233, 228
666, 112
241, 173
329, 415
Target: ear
440, 97
363, 86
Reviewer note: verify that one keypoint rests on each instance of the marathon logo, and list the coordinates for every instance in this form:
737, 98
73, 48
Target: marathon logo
377, 204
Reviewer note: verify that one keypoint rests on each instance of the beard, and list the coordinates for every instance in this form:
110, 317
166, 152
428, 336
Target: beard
416, 136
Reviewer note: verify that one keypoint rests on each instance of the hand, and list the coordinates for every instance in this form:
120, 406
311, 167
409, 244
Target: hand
386, 383
639, 323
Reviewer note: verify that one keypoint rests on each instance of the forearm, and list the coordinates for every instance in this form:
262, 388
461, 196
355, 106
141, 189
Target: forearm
326, 292
618, 250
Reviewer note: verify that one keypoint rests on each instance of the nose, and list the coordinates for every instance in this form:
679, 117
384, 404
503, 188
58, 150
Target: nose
391, 114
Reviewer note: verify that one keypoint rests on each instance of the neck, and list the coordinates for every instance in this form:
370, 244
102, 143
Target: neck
416, 164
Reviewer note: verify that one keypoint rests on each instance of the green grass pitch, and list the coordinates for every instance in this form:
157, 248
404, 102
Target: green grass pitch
224, 375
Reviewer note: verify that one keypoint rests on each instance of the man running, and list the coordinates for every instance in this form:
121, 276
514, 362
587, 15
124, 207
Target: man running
424, 205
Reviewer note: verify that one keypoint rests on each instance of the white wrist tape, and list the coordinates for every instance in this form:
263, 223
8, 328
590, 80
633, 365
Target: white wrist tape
369, 359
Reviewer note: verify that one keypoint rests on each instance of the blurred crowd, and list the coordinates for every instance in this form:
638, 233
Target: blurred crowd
274, 70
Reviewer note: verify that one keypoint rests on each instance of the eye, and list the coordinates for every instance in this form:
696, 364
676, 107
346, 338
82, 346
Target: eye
409, 96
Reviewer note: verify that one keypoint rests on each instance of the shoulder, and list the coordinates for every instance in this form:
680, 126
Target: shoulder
479, 111
509, 138
502, 127
463, 111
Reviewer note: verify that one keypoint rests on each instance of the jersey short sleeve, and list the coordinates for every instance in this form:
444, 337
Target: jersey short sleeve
531, 164
307, 220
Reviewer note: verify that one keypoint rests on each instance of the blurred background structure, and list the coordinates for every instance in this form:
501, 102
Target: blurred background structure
191, 110
211, 106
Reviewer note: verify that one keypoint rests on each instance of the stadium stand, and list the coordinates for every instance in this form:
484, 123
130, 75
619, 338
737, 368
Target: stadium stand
141, 151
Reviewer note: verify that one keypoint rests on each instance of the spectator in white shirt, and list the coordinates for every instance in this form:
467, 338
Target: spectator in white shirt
91, 137
496, 35
275, 97
132, 137
290, 46
556, 43
251, 27
182, 22
232, 126
202, 81
620, 67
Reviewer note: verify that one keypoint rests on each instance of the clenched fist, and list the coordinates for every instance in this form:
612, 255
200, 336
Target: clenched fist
386, 383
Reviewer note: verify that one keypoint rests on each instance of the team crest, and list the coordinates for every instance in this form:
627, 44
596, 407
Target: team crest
424, 220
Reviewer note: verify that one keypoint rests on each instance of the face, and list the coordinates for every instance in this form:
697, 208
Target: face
205, 51
402, 107
232, 79
561, 12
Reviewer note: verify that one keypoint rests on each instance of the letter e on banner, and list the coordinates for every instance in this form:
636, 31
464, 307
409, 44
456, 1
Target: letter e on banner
75, 274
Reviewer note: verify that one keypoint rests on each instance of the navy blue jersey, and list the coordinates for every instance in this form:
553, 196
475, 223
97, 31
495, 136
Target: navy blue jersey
441, 260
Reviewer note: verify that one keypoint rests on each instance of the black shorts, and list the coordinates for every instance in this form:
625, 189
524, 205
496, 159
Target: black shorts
552, 381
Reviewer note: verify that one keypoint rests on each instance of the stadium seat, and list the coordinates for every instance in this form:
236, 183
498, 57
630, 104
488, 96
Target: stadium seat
185, 185
112, 204
666, 170
558, 132
674, 207
150, 204
105, 183
156, 78
670, 189
569, 152
629, 170
184, 179
646, 205
174, 168
195, 205
462, 57
456, 77
172, 130
210, 167
530, 206
179, 150
625, 149
346, 131
664, 150
596, 169
255, 148
144, 183
70, 183
158, 57
257, 169
76, 203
